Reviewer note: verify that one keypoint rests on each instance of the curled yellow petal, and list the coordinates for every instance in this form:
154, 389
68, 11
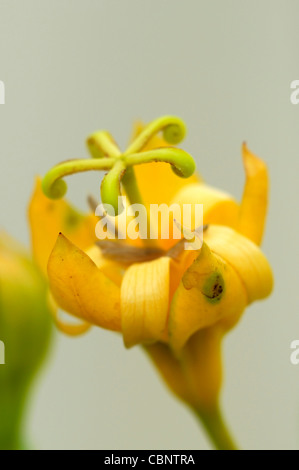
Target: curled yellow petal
80, 288
254, 204
70, 329
244, 257
210, 292
145, 301
218, 206
48, 218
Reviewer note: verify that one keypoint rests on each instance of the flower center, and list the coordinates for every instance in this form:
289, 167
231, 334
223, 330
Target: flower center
121, 252
107, 156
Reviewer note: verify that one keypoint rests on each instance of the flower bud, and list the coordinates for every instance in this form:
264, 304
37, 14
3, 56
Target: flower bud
25, 330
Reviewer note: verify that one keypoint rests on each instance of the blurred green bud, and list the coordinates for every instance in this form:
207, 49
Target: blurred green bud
25, 331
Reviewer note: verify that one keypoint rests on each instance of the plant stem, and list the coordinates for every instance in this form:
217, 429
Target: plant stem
216, 428
11, 413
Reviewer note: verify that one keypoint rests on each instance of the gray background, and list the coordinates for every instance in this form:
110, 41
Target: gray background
71, 67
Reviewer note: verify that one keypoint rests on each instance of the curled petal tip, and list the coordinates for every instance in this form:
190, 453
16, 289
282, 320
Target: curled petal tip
253, 164
254, 205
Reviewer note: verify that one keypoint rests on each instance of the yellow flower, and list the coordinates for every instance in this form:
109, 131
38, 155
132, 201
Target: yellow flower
178, 304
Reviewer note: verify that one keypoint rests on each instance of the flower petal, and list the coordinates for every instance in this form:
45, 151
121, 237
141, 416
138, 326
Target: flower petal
218, 207
48, 218
202, 364
171, 370
70, 329
195, 376
112, 269
145, 301
80, 288
210, 292
246, 259
255, 197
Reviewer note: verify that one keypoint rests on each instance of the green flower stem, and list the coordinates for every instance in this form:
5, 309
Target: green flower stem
11, 413
216, 428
